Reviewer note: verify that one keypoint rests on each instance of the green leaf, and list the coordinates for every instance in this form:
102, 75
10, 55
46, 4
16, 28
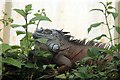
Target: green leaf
96, 10
108, 12
99, 37
45, 54
93, 52
108, 3
15, 47
114, 48
12, 61
43, 10
40, 18
5, 47
117, 29
61, 76
37, 14
94, 25
82, 69
117, 46
21, 12
81, 75
106, 51
110, 7
84, 60
15, 25
20, 32
115, 15
49, 66
28, 7
90, 54
31, 65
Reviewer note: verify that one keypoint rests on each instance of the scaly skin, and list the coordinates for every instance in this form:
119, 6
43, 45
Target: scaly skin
66, 51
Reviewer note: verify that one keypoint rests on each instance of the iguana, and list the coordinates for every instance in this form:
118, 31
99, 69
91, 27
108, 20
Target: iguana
65, 49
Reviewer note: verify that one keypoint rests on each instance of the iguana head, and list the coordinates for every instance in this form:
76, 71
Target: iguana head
48, 38
45, 33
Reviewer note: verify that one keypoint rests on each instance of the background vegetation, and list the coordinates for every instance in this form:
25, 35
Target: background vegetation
23, 62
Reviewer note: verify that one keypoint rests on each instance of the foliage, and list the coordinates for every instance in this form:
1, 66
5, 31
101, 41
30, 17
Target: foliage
107, 11
22, 62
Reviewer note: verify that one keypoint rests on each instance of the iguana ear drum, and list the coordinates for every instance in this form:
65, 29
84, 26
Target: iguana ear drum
47, 31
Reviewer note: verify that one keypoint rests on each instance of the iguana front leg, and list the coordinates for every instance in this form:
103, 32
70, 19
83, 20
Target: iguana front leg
64, 63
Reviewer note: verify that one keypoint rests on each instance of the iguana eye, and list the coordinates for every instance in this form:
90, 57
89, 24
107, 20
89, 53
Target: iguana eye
47, 31
39, 30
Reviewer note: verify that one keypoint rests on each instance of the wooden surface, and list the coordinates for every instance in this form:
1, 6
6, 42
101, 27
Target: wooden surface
6, 30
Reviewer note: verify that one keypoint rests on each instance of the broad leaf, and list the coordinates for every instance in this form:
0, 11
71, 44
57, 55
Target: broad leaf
15, 47
21, 12
23, 42
5, 47
118, 46
82, 69
90, 54
114, 48
28, 7
84, 60
99, 37
31, 65
97, 10
12, 61
108, 3
20, 32
93, 52
40, 18
45, 54
117, 29
115, 15
110, 7
15, 25
81, 75
106, 51
37, 14
61, 76
49, 66
94, 25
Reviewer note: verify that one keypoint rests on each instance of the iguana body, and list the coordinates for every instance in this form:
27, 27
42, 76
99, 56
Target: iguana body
66, 50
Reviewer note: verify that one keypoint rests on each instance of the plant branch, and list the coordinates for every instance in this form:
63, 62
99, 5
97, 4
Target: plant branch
38, 24
26, 30
108, 26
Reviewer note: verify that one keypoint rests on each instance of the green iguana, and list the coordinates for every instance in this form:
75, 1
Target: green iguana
65, 49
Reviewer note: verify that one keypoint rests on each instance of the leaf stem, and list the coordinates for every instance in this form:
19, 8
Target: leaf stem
26, 30
38, 24
108, 26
